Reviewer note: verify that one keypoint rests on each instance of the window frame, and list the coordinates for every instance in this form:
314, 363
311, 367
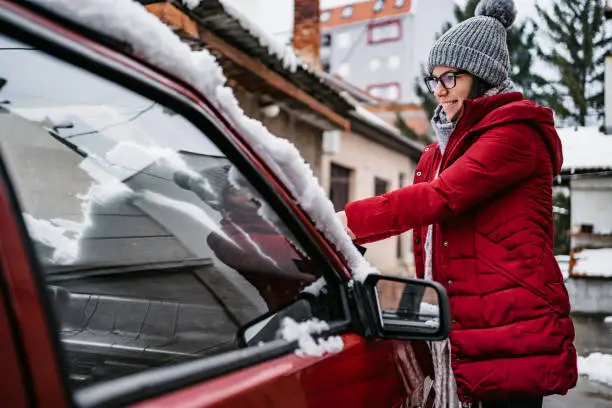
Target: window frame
386, 85
378, 182
397, 22
109, 59
347, 12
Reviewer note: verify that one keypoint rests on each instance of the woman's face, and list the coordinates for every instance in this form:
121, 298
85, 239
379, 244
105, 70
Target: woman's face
452, 98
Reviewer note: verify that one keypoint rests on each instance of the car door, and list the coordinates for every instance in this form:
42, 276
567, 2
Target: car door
147, 237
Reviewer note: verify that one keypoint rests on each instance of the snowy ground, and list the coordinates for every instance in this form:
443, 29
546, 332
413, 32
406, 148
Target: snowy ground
594, 344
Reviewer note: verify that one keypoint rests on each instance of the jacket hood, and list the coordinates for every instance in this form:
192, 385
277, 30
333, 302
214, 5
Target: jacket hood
503, 109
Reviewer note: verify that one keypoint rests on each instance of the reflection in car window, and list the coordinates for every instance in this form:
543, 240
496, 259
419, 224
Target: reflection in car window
155, 248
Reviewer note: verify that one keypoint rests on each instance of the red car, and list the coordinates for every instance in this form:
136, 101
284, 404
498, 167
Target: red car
151, 256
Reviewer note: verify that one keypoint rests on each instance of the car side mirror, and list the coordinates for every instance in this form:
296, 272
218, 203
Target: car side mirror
407, 309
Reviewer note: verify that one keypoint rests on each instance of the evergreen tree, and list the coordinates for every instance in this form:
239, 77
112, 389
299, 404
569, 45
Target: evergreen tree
576, 45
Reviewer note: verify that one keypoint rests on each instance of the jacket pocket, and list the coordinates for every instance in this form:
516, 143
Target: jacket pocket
483, 257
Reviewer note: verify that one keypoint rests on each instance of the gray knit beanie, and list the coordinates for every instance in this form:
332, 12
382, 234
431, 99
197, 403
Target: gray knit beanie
478, 44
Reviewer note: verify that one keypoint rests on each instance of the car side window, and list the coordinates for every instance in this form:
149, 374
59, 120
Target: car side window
154, 247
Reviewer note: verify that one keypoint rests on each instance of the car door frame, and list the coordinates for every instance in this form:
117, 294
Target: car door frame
70, 41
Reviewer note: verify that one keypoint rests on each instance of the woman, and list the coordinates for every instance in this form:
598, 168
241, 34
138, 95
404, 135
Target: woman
481, 210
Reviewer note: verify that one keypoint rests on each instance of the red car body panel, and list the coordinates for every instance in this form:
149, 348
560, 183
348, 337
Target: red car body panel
25, 304
363, 375
12, 387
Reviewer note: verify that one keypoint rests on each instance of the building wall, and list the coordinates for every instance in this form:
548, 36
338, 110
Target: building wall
590, 203
590, 296
357, 54
368, 160
428, 21
307, 138
419, 29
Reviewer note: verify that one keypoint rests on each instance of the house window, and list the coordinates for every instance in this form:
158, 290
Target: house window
326, 40
347, 12
399, 3
339, 187
379, 6
374, 64
344, 70
393, 62
390, 91
344, 40
384, 32
402, 180
381, 186
324, 18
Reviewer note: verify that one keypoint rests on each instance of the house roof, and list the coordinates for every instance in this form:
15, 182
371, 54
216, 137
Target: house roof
363, 11
227, 23
585, 149
238, 31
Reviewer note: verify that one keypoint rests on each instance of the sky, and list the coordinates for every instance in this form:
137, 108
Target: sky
280, 22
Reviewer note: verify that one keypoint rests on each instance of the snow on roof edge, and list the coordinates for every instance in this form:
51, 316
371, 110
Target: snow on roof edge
585, 148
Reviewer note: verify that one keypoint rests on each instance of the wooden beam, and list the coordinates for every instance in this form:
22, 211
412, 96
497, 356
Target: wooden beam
271, 77
175, 18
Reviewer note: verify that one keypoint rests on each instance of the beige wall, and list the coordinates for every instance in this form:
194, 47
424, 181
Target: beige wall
368, 160
306, 137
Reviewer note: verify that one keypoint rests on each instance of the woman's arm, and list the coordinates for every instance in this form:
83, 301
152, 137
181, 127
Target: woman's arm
500, 158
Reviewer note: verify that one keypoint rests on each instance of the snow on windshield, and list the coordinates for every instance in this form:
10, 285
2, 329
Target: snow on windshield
154, 41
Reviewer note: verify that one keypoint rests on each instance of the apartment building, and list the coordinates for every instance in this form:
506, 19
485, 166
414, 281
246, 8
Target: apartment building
380, 45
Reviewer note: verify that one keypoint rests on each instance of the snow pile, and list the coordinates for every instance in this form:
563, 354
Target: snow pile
585, 148
64, 235
597, 366
155, 42
608, 320
134, 157
593, 262
302, 333
370, 117
275, 47
66, 249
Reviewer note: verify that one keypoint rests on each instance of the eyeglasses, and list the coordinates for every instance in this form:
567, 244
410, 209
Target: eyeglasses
448, 80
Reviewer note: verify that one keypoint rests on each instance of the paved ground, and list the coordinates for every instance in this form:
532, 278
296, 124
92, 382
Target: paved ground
591, 335
586, 395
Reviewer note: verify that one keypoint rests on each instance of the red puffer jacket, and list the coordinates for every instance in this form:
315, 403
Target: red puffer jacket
491, 206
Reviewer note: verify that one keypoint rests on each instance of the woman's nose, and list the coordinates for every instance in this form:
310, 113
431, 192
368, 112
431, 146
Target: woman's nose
440, 90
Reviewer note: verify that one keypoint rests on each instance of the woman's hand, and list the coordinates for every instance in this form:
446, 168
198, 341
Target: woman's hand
343, 220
